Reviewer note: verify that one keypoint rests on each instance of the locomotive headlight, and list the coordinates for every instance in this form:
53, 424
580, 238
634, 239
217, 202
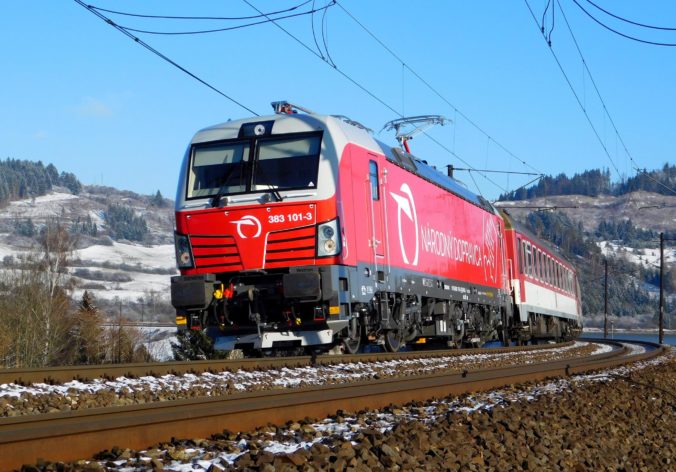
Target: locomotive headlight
183, 251
327, 231
329, 246
328, 240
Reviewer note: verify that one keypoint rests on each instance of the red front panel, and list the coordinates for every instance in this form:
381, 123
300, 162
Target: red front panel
254, 237
427, 229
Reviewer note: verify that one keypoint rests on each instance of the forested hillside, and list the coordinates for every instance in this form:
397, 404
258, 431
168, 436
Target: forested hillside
25, 179
593, 183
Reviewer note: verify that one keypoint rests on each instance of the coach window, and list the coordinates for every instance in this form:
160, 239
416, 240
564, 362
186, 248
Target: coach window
539, 264
536, 264
567, 280
544, 267
373, 178
519, 255
558, 276
529, 260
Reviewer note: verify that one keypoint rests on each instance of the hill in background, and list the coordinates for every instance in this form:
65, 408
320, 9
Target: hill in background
123, 242
593, 220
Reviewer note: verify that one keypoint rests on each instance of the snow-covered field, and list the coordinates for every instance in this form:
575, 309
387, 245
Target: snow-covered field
644, 257
144, 258
50, 205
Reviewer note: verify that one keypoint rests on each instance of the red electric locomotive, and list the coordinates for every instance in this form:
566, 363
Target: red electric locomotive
301, 230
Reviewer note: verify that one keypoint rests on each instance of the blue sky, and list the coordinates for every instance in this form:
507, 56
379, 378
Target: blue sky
79, 94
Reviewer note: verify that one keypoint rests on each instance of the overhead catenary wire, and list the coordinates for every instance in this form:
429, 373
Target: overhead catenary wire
662, 28
633, 38
433, 89
210, 18
162, 56
229, 28
498, 171
324, 40
314, 34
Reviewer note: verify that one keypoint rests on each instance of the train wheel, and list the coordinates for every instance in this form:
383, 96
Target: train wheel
352, 342
393, 340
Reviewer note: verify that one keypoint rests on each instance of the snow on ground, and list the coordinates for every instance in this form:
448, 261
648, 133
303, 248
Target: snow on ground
158, 339
52, 205
50, 198
288, 377
146, 258
644, 257
6, 250
141, 283
153, 257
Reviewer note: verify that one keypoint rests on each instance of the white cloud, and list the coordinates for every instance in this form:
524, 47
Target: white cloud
92, 107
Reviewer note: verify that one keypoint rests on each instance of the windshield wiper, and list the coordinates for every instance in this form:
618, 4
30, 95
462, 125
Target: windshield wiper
221, 190
275, 193
273, 190
217, 198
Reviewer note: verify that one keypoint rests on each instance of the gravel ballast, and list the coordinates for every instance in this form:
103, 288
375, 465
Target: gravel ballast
620, 419
17, 400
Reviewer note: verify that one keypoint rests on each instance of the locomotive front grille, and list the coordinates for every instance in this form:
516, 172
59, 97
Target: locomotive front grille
295, 246
216, 251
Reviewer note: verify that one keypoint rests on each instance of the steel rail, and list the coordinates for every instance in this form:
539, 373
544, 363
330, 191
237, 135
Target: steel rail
77, 434
53, 375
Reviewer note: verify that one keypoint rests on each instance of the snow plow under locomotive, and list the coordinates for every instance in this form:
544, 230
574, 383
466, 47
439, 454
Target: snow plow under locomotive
302, 230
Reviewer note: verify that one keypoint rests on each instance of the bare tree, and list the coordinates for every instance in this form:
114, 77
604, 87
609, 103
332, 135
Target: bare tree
35, 302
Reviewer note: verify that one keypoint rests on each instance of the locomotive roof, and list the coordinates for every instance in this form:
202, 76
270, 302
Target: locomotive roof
352, 132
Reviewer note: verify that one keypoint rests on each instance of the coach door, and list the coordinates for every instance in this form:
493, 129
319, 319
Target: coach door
377, 224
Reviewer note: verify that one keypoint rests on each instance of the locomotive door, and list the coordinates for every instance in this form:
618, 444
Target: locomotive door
376, 217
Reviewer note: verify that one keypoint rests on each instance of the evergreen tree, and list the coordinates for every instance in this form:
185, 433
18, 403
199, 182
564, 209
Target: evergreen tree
25, 228
87, 333
71, 182
124, 224
157, 200
193, 345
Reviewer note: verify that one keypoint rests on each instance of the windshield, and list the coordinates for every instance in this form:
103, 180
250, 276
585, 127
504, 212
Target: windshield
218, 169
287, 163
281, 163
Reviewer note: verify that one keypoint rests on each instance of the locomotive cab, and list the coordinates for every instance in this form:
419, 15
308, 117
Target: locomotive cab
258, 235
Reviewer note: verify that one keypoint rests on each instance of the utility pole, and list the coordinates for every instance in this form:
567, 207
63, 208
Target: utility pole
661, 329
605, 302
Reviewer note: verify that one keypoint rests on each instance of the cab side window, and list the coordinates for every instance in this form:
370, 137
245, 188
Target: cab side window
373, 178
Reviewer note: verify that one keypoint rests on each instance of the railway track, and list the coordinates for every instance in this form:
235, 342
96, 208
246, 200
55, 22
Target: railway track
51, 375
76, 434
